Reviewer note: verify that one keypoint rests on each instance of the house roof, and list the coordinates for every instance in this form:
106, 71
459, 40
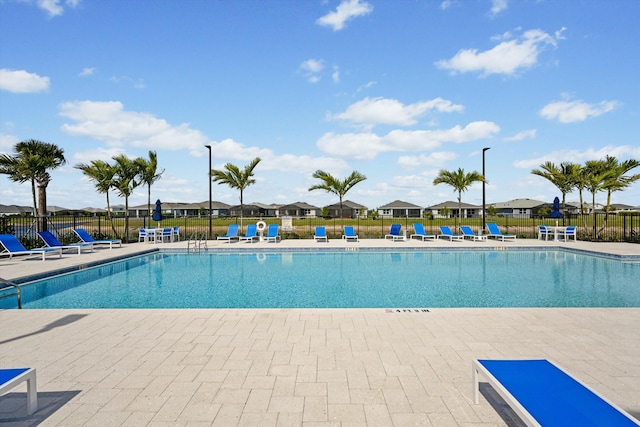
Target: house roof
347, 204
399, 204
453, 205
299, 205
518, 204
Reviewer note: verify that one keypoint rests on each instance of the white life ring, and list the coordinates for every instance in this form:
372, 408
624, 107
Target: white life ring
261, 225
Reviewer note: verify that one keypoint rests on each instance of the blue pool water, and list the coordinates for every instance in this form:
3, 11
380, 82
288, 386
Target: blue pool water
345, 279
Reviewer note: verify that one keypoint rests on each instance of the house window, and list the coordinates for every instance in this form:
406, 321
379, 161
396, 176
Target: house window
386, 211
522, 211
307, 211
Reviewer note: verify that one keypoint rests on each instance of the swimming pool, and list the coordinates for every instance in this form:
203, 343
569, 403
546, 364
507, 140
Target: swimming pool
362, 279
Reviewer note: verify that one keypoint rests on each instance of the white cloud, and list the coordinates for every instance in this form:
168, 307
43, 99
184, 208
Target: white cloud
525, 134
87, 71
575, 111
498, 6
311, 69
368, 145
372, 111
435, 159
336, 74
446, 4
111, 123
136, 83
580, 156
7, 142
508, 57
345, 11
20, 81
55, 7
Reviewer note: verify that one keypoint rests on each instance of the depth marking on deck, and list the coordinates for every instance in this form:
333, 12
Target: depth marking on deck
407, 310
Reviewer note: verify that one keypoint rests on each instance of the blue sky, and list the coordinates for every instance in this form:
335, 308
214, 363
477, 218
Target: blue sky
396, 90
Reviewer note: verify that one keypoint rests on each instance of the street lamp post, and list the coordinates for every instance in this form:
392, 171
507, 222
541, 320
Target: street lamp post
210, 207
484, 200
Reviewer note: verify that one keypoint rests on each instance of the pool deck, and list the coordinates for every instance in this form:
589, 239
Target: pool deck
397, 366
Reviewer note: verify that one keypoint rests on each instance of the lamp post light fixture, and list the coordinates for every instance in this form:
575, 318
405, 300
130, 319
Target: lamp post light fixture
210, 207
484, 200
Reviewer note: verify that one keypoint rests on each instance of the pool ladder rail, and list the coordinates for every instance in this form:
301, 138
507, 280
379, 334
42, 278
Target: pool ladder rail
198, 241
5, 284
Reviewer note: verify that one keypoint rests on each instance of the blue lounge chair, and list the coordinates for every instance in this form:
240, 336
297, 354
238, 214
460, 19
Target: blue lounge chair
321, 234
467, 232
446, 233
10, 378
495, 232
232, 234
419, 233
395, 233
52, 241
86, 237
12, 246
544, 395
568, 233
272, 233
349, 233
251, 234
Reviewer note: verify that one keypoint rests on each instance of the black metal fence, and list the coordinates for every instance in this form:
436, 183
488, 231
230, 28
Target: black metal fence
600, 227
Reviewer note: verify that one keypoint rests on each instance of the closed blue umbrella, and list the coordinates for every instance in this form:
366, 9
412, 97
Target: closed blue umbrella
157, 213
556, 209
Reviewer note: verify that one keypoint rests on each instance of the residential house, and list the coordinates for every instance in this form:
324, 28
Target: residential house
519, 208
449, 209
349, 210
299, 210
400, 209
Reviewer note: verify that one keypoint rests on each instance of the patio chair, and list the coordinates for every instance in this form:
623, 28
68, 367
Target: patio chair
52, 242
12, 246
446, 233
418, 232
272, 233
349, 233
10, 378
164, 233
495, 232
467, 232
232, 234
542, 394
251, 234
176, 233
86, 237
143, 235
395, 233
568, 233
545, 231
321, 234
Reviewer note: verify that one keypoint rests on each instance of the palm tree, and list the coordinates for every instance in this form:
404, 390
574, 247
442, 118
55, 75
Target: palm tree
597, 174
101, 173
333, 185
148, 174
460, 181
618, 180
562, 176
32, 162
124, 181
236, 178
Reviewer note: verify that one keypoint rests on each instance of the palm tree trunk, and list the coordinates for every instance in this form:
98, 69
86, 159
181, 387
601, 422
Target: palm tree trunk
241, 208
110, 217
33, 194
42, 207
459, 207
126, 220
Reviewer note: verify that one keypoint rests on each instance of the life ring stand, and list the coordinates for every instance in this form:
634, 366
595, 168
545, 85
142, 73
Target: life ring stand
261, 225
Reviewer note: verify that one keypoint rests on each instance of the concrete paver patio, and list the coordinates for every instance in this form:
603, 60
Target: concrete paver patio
289, 367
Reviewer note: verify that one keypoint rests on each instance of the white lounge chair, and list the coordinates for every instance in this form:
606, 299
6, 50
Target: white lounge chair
495, 232
10, 378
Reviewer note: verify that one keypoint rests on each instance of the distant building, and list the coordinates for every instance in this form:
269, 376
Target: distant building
452, 207
299, 210
349, 210
400, 209
519, 208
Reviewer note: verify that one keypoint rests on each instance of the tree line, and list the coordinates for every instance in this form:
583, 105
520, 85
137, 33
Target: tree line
34, 159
